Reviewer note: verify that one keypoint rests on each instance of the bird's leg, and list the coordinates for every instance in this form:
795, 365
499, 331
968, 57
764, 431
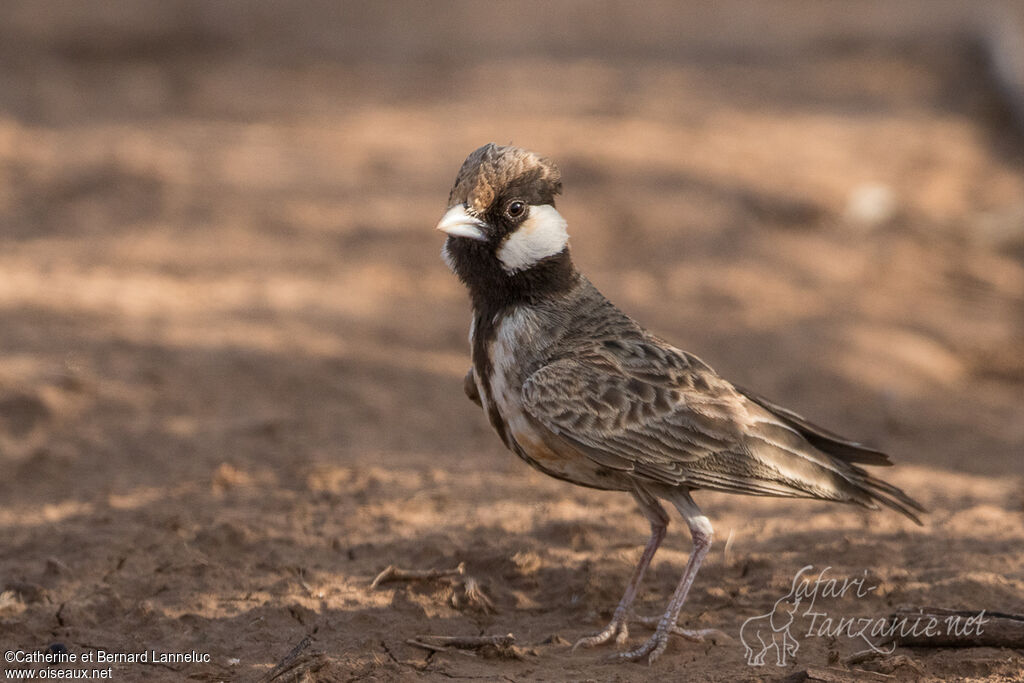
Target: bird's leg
618, 627
700, 529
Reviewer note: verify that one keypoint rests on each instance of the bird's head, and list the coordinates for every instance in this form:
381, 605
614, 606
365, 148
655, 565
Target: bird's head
501, 222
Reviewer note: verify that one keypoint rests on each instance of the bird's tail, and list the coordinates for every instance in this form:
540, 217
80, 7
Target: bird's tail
860, 487
890, 496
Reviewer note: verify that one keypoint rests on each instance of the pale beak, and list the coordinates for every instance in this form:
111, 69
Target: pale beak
458, 223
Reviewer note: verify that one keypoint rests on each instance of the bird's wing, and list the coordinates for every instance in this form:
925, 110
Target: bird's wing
821, 438
647, 408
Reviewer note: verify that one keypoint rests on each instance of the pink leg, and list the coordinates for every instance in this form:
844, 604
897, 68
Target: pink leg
700, 529
618, 627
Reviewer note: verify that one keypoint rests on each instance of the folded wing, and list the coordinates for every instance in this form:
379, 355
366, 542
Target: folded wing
661, 415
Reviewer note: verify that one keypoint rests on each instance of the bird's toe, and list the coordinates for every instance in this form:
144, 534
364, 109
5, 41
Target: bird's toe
616, 629
654, 646
699, 635
651, 648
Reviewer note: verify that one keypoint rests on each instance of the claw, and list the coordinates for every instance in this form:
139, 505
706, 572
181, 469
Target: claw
617, 628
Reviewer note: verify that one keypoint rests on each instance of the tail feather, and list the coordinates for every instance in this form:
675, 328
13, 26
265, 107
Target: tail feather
892, 497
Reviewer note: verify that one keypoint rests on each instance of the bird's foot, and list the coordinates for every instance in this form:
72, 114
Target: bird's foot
697, 636
617, 628
652, 647
656, 644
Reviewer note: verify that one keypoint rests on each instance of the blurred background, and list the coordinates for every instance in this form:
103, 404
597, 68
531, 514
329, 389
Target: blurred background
231, 357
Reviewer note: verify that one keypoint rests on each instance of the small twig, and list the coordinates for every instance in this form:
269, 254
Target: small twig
393, 573
476, 597
489, 646
861, 657
288, 662
462, 642
300, 576
882, 662
417, 642
728, 546
466, 591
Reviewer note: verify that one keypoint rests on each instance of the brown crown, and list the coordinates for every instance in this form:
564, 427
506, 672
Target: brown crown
492, 169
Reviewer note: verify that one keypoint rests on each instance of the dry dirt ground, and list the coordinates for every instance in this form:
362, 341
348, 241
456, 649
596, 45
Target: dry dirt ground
231, 358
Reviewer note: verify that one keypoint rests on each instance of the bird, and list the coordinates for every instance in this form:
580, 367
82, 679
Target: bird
582, 392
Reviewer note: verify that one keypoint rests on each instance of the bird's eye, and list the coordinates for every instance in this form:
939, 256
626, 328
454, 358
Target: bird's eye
515, 209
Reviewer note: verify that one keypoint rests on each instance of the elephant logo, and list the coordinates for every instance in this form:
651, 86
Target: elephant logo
766, 632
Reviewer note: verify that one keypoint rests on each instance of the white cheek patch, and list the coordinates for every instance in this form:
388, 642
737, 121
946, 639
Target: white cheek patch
542, 234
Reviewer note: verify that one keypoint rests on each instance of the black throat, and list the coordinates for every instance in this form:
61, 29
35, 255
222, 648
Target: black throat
494, 294
494, 291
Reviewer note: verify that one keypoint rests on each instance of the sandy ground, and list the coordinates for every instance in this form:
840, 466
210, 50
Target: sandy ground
231, 358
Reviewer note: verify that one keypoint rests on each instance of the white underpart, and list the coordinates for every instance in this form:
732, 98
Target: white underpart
542, 234
519, 331
516, 330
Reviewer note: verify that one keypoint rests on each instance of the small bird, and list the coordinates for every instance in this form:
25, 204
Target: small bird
580, 391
